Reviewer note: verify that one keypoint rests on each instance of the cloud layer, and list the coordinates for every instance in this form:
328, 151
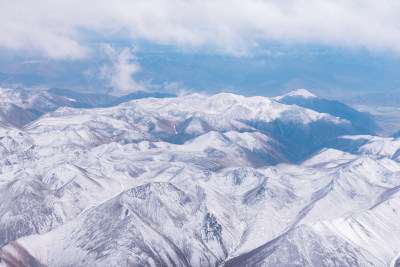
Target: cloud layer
65, 29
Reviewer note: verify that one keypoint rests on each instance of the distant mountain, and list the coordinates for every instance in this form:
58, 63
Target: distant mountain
136, 95
19, 106
13, 115
82, 99
366, 144
104, 100
363, 122
391, 99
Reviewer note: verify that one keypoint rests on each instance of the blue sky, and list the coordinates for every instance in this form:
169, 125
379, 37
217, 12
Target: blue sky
334, 48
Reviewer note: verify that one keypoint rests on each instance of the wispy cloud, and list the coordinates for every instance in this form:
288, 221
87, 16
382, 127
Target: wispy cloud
63, 29
119, 73
176, 88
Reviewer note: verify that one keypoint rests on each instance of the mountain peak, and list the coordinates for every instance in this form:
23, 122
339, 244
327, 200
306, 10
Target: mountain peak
299, 92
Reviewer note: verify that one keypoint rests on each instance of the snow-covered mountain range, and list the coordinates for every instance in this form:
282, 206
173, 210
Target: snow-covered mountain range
220, 180
18, 107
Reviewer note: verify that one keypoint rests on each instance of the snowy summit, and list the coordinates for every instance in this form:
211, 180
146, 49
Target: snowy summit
299, 92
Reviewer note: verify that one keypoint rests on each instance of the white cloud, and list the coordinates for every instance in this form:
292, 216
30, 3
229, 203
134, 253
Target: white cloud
177, 88
119, 74
62, 29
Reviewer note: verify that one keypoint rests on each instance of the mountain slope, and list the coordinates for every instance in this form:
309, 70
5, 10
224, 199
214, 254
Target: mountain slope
19, 106
363, 122
366, 144
197, 181
103, 100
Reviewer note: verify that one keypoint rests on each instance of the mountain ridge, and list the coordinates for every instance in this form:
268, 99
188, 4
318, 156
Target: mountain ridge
197, 181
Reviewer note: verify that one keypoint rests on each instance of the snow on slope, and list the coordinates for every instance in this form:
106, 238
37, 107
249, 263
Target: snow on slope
298, 93
187, 181
175, 120
228, 106
363, 122
21, 106
366, 144
247, 209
